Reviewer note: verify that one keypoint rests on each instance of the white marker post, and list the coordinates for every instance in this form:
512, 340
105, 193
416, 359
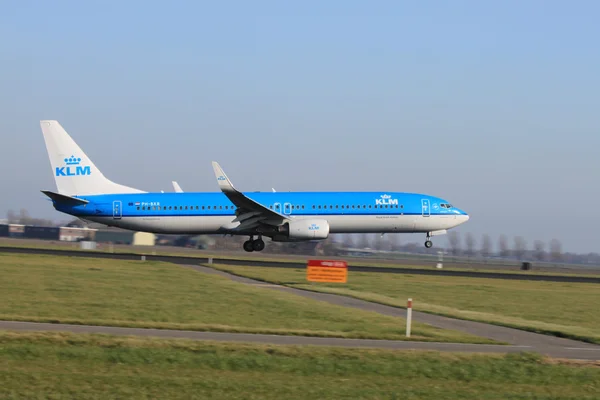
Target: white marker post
408, 317
440, 262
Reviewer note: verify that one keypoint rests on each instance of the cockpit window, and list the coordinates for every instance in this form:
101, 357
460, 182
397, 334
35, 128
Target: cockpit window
446, 205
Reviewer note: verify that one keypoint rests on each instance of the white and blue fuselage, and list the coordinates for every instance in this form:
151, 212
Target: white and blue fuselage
196, 213
283, 216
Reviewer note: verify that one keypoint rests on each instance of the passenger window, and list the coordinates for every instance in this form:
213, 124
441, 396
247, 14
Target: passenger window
209, 207
138, 208
319, 207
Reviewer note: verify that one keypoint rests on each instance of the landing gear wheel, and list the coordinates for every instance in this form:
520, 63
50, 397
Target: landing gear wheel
428, 244
248, 246
258, 245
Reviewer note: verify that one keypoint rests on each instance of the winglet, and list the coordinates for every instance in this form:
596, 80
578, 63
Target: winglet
242, 201
224, 183
176, 187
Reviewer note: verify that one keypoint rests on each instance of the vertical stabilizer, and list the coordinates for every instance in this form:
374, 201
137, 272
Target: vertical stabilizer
74, 173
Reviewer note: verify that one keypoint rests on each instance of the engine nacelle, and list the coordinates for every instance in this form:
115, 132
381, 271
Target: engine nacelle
308, 229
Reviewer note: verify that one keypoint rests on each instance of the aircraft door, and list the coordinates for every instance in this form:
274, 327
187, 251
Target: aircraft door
117, 212
287, 208
425, 209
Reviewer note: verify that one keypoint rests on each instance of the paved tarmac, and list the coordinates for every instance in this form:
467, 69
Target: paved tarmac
278, 264
259, 338
518, 340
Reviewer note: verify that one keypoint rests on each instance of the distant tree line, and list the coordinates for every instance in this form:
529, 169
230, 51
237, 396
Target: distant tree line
519, 250
23, 218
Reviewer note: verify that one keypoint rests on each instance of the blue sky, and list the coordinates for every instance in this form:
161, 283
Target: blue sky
491, 105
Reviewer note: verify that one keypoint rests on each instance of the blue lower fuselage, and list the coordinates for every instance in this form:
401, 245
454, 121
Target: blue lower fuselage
195, 213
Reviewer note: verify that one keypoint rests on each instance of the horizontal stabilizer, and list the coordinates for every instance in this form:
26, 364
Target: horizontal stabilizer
64, 199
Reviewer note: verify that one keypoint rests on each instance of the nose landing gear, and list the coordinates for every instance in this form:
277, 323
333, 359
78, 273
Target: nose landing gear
254, 245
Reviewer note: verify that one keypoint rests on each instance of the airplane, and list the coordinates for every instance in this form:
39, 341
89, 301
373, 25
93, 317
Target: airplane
84, 192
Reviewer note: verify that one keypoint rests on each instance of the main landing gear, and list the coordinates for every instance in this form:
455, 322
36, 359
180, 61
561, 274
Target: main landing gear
428, 242
254, 245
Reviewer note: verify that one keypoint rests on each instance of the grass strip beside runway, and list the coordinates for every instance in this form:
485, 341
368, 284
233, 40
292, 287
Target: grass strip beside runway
69, 366
562, 309
161, 295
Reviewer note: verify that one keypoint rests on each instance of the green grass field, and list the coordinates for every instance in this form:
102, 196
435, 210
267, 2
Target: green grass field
162, 295
564, 309
67, 366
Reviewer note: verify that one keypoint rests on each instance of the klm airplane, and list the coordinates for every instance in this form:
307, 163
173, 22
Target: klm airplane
84, 192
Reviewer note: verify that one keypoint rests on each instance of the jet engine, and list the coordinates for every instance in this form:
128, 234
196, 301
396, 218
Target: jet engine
304, 229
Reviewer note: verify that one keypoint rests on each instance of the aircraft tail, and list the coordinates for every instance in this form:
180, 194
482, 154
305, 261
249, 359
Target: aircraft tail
74, 173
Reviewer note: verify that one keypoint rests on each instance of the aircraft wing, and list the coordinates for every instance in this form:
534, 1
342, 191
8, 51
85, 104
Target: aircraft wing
250, 213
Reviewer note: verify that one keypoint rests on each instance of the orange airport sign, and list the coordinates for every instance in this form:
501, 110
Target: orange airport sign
327, 271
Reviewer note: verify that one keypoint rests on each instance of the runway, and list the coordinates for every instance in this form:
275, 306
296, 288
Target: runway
184, 260
258, 338
518, 340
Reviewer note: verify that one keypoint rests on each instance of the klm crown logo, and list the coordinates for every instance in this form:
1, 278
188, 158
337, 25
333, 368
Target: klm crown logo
72, 160
73, 168
386, 200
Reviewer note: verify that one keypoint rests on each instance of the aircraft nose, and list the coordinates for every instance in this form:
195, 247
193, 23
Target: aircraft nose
463, 217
